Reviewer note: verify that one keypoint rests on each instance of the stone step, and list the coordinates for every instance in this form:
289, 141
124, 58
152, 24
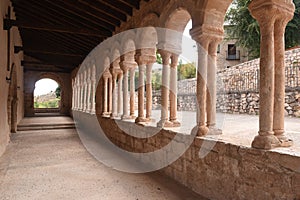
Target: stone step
29, 127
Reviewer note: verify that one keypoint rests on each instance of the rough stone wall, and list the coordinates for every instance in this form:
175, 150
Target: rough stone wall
238, 88
63, 79
5, 111
225, 171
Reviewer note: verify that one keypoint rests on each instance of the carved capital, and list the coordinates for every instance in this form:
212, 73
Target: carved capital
166, 56
145, 56
266, 12
206, 34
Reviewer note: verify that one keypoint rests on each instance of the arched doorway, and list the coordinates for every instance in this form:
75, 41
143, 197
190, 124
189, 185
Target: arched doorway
47, 96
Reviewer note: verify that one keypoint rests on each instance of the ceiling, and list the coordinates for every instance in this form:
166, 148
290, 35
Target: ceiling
58, 34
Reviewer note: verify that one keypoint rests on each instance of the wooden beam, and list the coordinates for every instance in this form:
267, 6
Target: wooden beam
47, 64
45, 70
17, 49
56, 28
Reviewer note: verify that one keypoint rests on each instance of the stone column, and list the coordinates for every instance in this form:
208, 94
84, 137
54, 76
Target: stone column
164, 122
207, 38
120, 94
93, 95
132, 93
89, 92
202, 45
73, 94
85, 92
173, 91
105, 96
141, 91
80, 92
149, 91
270, 14
211, 94
114, 113
110, 94
125, 66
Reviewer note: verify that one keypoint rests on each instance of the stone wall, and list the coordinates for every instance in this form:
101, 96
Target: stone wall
227, 171
11, 97
238, 88
63, 79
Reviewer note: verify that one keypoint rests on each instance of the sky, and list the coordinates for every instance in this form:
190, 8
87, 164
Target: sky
44, 86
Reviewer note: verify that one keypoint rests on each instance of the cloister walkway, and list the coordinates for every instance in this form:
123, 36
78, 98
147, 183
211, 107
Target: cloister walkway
53, 164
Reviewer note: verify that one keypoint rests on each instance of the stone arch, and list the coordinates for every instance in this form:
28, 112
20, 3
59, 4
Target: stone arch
150, 19
12, 100
178, 19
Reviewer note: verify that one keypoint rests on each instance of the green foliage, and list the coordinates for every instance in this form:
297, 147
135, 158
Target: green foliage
54, 103
186, 71
57, 92
245, 29
156, 80
158, 58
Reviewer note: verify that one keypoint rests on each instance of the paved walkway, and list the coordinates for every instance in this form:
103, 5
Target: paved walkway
53, 164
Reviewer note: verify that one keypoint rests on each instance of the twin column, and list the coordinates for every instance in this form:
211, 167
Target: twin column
272, 17
207, 39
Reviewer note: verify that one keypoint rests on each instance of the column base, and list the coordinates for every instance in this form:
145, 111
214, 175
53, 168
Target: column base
140, 120
214, 131
126, 117
114, 116
284, 140
132, 117
200, 130
175, 123
164, 123
149, 119
266, 142
106, 114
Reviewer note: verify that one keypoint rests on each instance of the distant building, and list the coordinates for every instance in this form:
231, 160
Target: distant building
229, 54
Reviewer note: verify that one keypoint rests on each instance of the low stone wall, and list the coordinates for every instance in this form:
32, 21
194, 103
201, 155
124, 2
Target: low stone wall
228, 171
248, 103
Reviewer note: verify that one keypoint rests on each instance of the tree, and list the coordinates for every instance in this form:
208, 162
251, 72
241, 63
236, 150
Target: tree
57, 92
186, 71
245, 29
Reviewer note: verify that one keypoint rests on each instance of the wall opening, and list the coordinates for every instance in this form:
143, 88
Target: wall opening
47, 96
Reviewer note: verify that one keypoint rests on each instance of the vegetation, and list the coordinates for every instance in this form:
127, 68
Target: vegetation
57, 92
246, 30
54, 103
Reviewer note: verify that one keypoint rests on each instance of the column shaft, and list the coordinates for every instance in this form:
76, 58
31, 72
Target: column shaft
211, 85
125, 95
132, 92
173, 91
120, 95
114, 97
110, 95
105, 96
141, 93
149, 91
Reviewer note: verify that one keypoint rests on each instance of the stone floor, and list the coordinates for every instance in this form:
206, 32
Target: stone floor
53, 164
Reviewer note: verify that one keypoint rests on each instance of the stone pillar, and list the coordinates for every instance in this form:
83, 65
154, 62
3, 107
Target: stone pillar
120, 94
207, 38
93, 93
132, 93
149, 91
110, 94
173, 91
85, 91
80, 92
164, 122
89, 92
105, 96
114, 113
127, 66
272, 17
211, 95
141, 92
73, 94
